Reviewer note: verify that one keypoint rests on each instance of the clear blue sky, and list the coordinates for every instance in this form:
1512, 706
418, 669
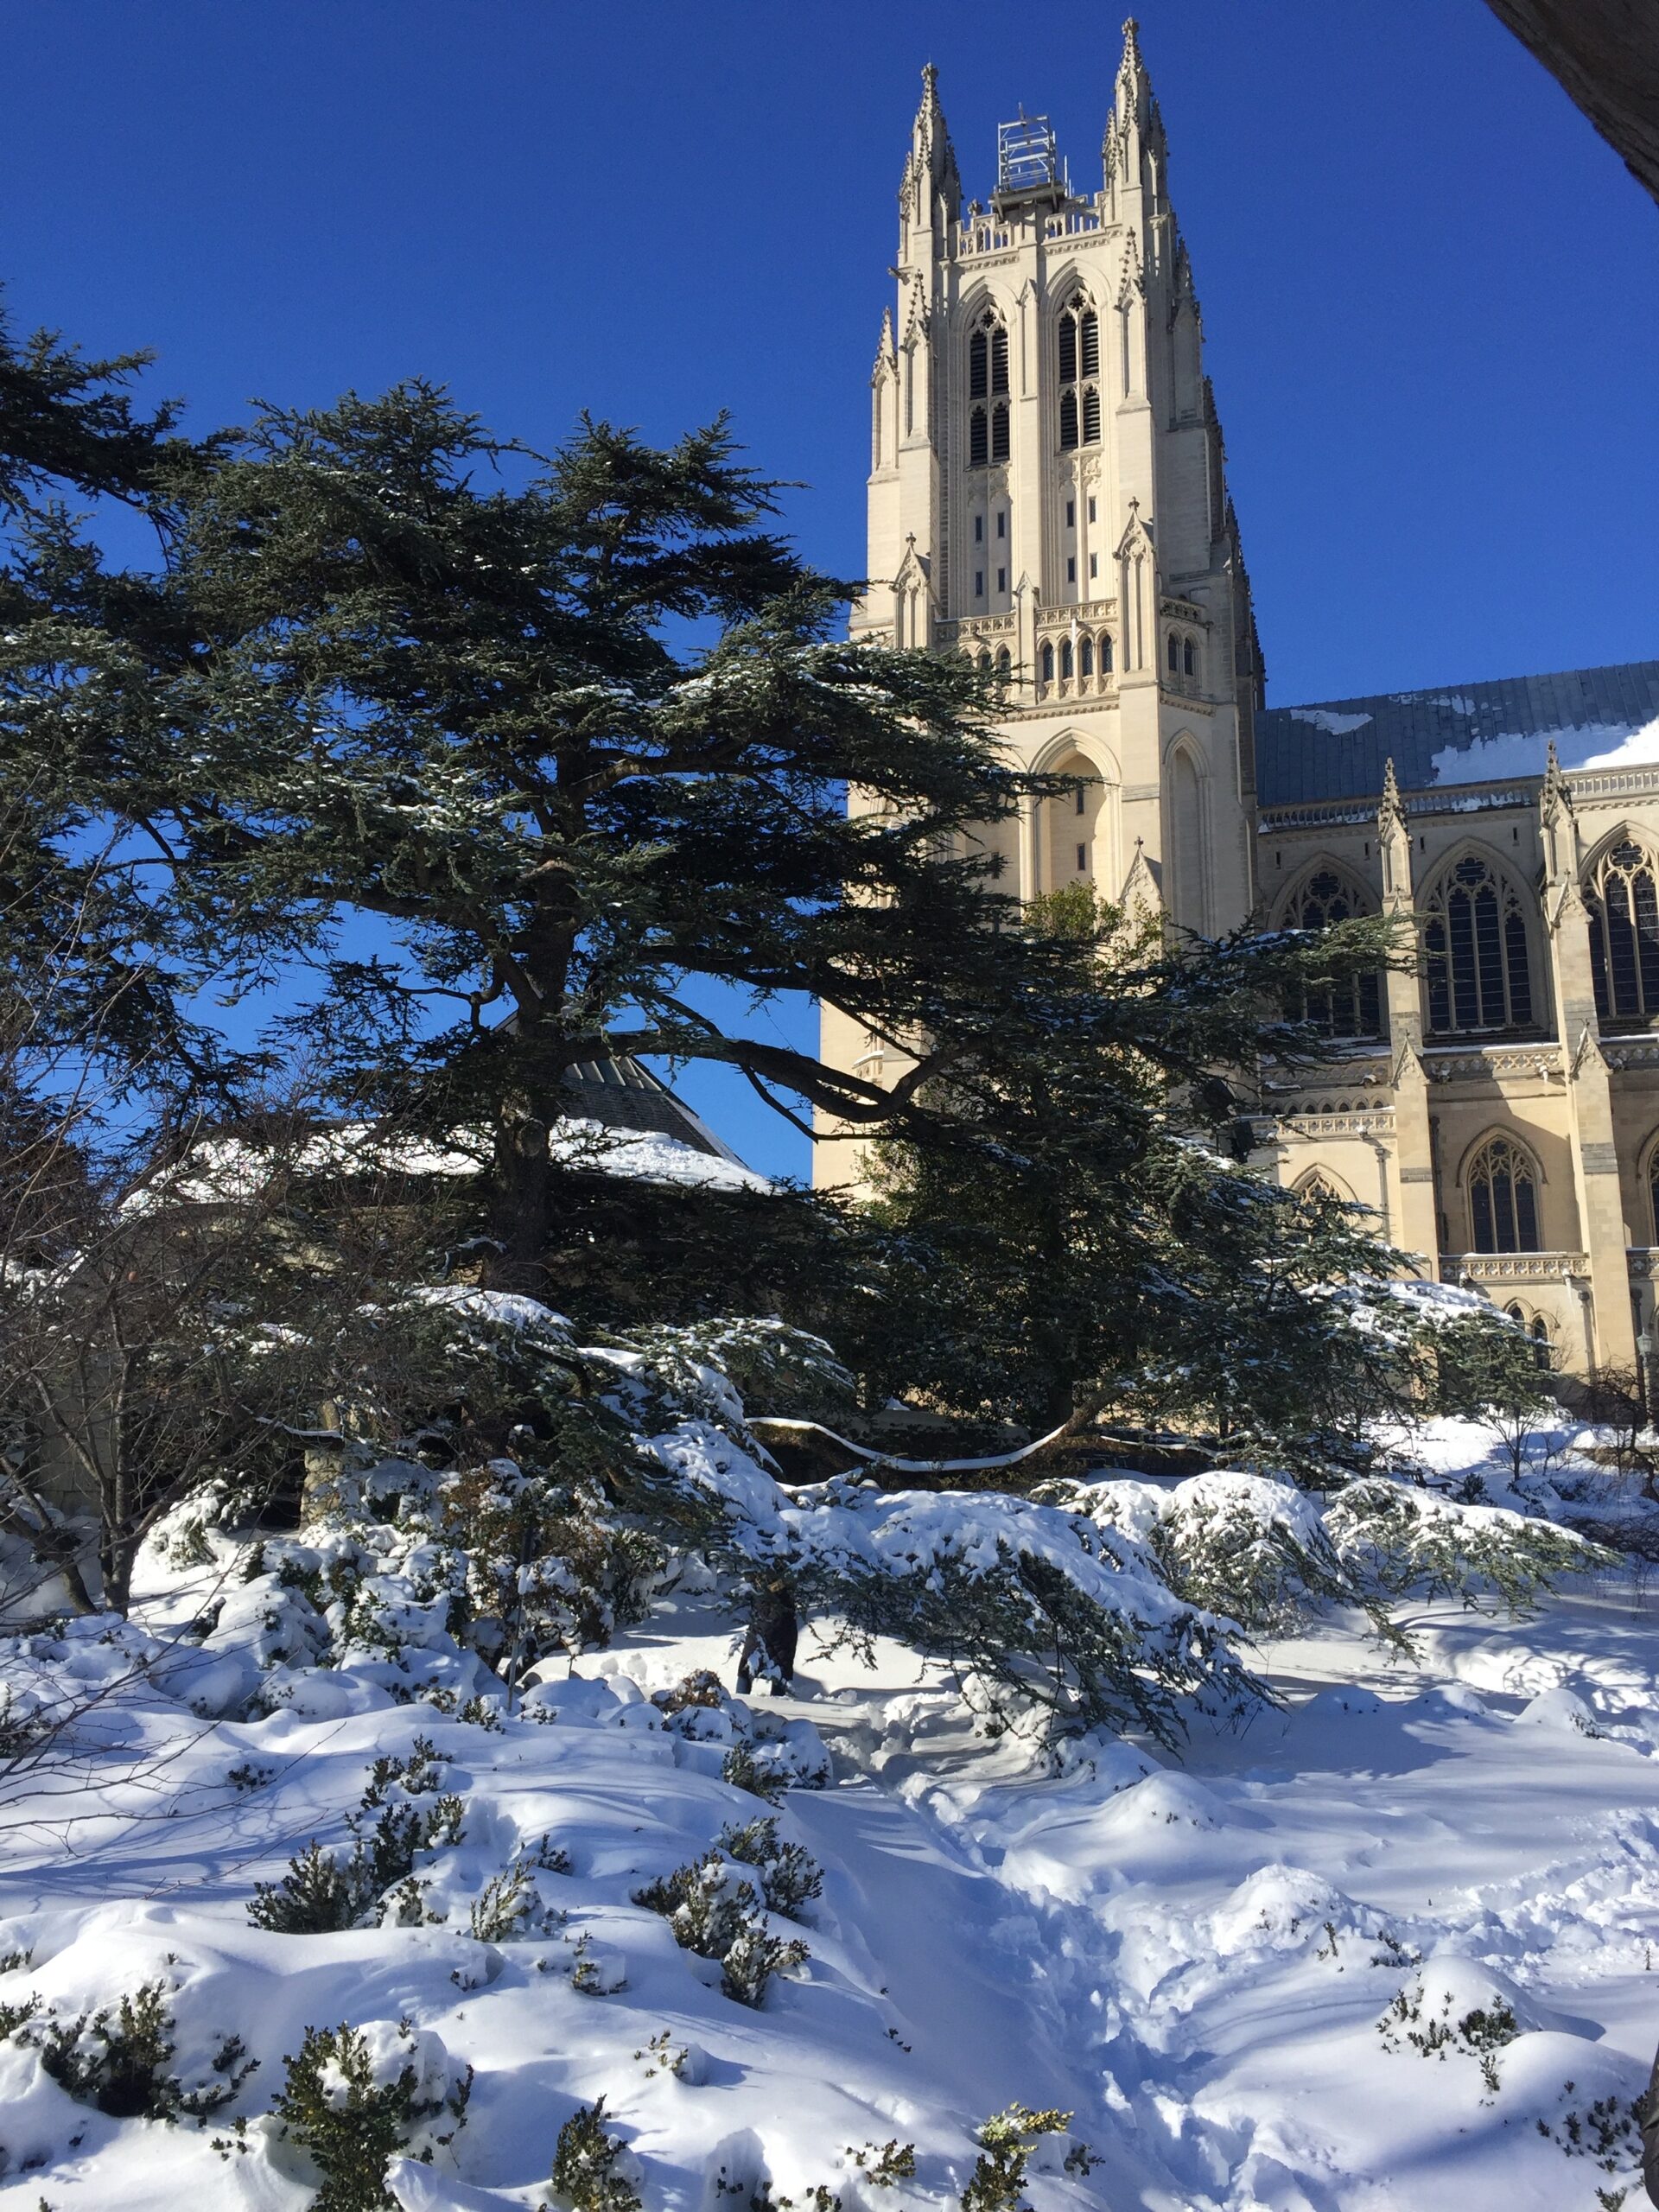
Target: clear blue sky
1431, 294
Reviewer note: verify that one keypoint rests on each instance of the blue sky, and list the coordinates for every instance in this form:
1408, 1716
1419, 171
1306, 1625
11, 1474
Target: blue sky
1431, 294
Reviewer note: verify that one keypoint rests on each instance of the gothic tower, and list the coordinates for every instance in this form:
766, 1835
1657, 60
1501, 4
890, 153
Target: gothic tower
1048, 492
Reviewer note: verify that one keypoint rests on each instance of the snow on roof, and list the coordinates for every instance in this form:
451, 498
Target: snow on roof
1474, 734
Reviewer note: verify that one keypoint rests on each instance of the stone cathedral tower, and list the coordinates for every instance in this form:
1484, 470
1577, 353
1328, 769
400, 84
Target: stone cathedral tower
1048, 492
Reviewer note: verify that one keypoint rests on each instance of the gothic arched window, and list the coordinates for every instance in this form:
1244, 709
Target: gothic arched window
1086, 657
1187, 662
1004, 665
1066, 657
1175, 654
1475, 949
1503, 1199
1046, 662
1079, 364
1537, 1333
1105, 653
1623, 913
987, 382
1348, 1010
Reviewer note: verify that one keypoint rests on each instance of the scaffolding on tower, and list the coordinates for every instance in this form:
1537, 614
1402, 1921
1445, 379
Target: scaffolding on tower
1027, 157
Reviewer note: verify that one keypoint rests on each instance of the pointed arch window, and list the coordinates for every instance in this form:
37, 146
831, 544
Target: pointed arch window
1537, 1333
1046, 662
1065, 660
1623, 905
1079, 377
1105, 653
1503, 1199
1353, 1008
1004, 665
1476, 954
1085, 658
988, 386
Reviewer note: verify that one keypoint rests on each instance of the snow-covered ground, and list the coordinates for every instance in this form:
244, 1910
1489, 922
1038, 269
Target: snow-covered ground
1226, 1968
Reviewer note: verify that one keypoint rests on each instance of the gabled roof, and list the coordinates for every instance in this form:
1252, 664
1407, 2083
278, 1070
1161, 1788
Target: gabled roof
1458, 734
623, 1094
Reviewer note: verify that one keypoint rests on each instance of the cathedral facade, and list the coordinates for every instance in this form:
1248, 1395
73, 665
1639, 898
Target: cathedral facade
1047, 494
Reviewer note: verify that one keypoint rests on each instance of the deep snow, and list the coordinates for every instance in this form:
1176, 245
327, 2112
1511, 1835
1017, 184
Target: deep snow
1217, 1964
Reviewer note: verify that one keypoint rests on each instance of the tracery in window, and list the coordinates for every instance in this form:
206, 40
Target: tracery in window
1624, 910
1079, 378
988, 385
1353, 1008
1503, 1199
1475, 952
1537, 1330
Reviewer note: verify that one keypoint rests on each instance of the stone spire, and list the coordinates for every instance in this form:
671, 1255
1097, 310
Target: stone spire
1132, 151
929, 193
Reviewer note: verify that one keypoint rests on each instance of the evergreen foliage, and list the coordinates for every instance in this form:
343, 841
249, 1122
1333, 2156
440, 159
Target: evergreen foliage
715, 1913
590, 2165
354, 2096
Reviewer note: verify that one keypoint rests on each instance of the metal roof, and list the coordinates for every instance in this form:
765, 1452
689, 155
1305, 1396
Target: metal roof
1456, 734
622, 1095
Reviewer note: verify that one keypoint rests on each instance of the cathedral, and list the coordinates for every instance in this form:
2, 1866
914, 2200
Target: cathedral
1048, 492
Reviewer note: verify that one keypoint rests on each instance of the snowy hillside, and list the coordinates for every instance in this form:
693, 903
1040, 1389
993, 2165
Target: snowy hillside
1394, 1944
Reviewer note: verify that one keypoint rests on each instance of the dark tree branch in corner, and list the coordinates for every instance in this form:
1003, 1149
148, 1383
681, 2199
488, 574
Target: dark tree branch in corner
1604, 55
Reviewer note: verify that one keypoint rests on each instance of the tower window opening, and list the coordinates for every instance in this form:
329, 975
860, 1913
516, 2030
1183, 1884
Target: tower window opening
1046, 663
1070, 568
979, 365
1000, 431
1082, 860
1092, 511
1094, 565
979, 442
1001, 523
1082, 799
1086, 657
1186, 657
979, 583
1079, 372
979, 529
1066, 660
998, 359
1175, 654
1071, 514
1106, 653
1001, 579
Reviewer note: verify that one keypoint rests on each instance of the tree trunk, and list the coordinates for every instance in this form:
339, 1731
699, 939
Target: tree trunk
521, 1201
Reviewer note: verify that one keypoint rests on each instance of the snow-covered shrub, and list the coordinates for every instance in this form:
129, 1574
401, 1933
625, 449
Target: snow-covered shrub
1246, 1547
322, 1892
713, 1912
789, 1876
884, 2164
729, 1367
593, 2170
1269, 1555
1399, 1540
511, 1903
1006, 2141
119, 2058
355, 2096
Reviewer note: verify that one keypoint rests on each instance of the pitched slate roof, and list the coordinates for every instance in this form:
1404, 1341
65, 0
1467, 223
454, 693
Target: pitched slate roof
624, 1096
1459, 733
